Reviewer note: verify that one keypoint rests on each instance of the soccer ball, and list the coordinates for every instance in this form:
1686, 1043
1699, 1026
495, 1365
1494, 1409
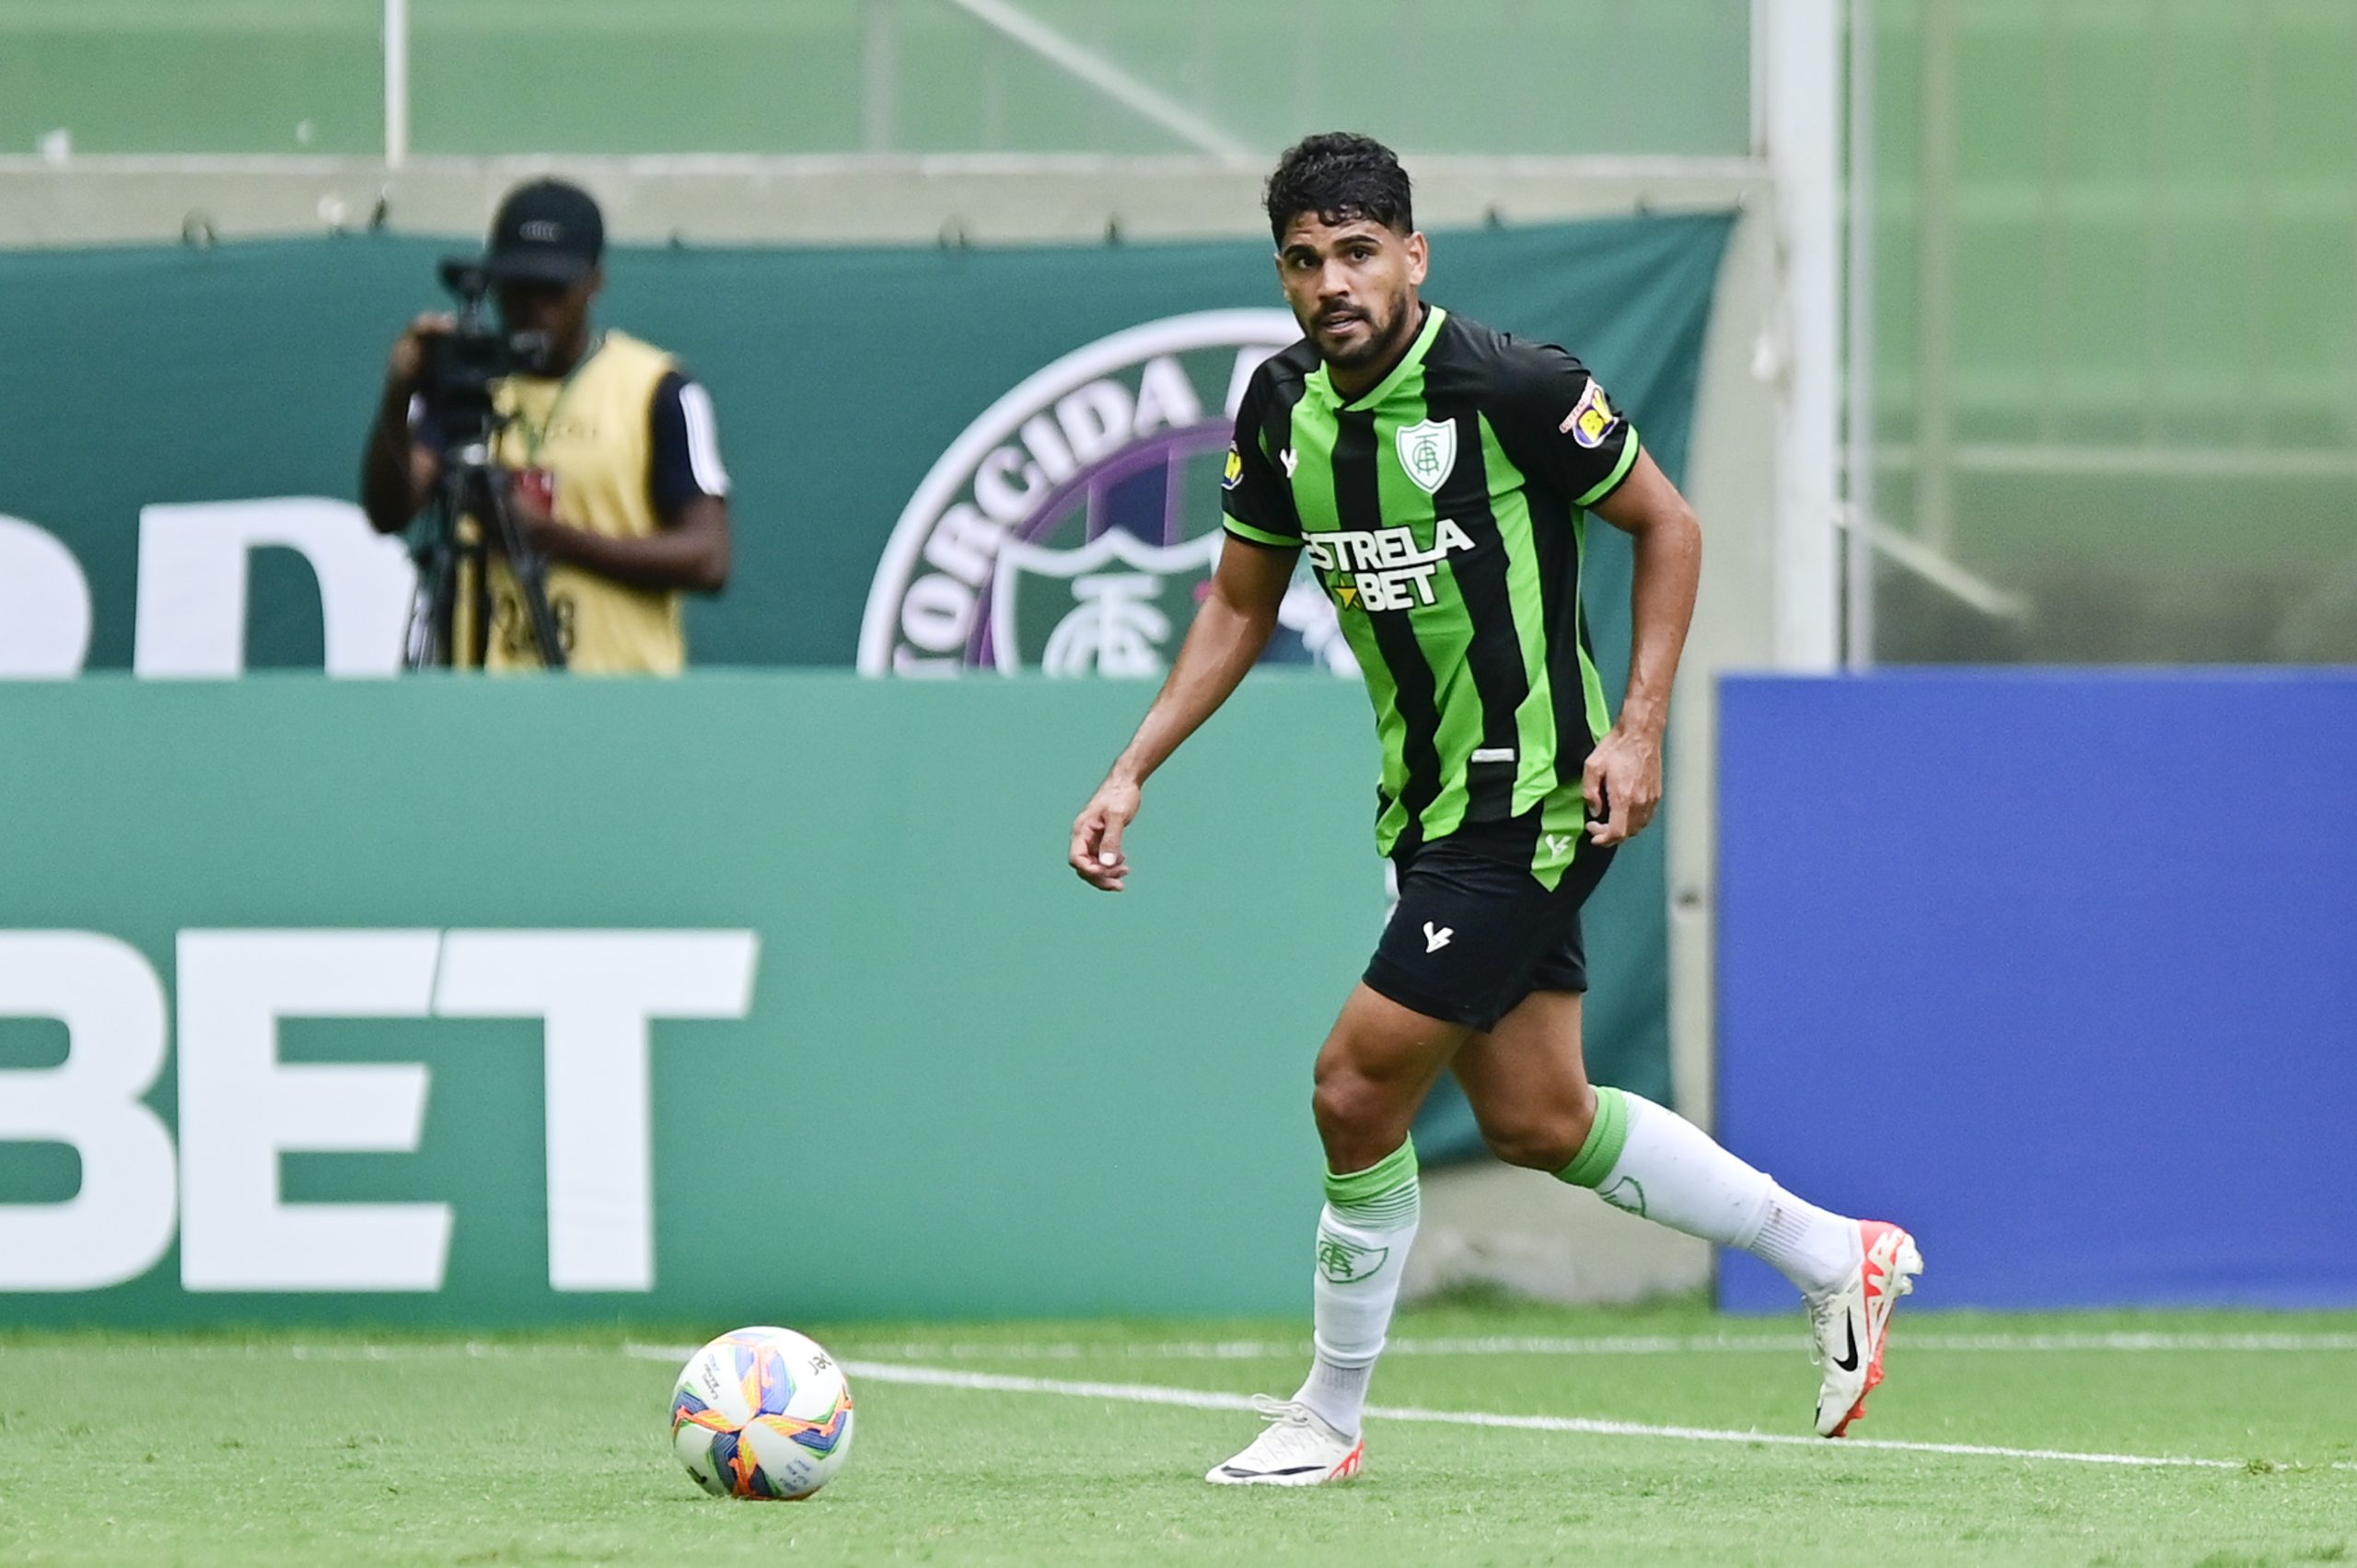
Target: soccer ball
761, 1412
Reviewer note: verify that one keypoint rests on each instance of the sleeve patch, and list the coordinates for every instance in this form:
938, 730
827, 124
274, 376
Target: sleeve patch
1234, 475
1593, 418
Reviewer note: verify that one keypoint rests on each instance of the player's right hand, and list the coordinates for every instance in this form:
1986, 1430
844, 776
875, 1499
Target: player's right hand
1097, 835
408, 361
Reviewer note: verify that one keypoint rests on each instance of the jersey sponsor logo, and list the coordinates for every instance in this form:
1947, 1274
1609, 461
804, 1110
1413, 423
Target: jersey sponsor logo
1378, 569
1428, 453
1074, 524
1592, 418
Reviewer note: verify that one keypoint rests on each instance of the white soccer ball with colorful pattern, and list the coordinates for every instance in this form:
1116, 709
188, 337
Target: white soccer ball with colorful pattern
761, 1412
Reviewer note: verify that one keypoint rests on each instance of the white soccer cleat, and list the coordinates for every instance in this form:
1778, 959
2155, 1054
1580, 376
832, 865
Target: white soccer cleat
1852, 1323
1298, 1449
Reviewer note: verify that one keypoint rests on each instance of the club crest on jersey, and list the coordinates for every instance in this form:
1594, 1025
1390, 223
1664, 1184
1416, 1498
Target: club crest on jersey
1592, 418
1428, 453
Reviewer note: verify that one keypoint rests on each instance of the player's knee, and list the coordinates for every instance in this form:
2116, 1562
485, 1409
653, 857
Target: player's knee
1535, 1148
1544, 1141
1344, 1102
1355, 1110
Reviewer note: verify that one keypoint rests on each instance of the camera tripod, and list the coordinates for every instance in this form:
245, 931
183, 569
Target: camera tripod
454, 561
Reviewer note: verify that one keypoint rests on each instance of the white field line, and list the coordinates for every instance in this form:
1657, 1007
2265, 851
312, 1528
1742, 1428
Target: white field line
1270, 1349
1199, 1399
1204, 1399
1623, 1344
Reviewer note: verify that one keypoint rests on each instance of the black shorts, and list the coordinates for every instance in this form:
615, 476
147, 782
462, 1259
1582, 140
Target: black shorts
1475, 932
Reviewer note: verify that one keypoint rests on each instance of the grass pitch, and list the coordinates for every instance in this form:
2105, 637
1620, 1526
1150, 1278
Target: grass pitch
315, 1448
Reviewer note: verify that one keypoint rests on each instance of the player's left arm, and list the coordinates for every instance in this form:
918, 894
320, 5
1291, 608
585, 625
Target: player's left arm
689, 488
1560, 426
1623, 777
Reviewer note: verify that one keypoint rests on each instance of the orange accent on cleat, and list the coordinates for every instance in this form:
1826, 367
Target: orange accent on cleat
1885, 1247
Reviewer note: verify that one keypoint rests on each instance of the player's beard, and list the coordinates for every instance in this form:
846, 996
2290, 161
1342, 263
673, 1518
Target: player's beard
1381, 341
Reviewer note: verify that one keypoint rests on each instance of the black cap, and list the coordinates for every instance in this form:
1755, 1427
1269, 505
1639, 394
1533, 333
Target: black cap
547, 231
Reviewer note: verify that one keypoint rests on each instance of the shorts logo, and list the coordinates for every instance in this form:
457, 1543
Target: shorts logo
1074, 523
1560, 843
1342, 1261
1437, 938
1592, 418
1428, 453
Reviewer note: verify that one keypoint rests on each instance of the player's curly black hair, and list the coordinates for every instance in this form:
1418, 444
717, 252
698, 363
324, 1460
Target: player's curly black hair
1342, 177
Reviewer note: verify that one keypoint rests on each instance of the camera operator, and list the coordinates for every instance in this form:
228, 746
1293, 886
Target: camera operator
605, 449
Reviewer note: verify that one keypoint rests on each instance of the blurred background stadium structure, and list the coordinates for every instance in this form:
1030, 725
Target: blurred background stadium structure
2034, 340
2114, 308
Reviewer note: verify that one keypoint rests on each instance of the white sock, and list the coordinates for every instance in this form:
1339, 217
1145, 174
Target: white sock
1649, 1160
1811, 1246
1364, 1235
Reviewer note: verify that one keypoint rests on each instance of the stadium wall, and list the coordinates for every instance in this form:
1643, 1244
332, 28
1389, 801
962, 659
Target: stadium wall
479, 1003
2058, 970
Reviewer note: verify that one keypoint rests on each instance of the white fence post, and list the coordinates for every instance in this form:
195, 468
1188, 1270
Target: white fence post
1799, 43
1858, 625
396, 83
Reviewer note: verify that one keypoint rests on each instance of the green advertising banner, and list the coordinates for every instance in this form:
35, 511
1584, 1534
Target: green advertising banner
746, 997
181, 438
763, 996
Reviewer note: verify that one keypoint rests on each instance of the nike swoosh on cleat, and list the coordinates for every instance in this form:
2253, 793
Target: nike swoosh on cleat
1849, 1363
1297, 1470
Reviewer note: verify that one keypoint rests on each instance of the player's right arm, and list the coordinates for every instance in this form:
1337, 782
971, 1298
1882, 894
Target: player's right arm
1231, 629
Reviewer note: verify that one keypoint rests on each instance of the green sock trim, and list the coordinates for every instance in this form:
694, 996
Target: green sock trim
1605, 1142
1382, 1196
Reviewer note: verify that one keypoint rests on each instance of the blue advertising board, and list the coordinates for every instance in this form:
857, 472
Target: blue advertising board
2059, 968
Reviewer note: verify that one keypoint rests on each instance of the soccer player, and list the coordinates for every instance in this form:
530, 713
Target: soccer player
1438, 474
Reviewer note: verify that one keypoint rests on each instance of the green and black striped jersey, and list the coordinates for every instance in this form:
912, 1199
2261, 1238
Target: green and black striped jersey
1445, 512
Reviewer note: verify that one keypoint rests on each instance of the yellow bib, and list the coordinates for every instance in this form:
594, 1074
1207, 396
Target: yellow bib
590, 434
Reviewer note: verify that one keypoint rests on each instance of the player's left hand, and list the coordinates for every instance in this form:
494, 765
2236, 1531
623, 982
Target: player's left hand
1097, 835
1622, 783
